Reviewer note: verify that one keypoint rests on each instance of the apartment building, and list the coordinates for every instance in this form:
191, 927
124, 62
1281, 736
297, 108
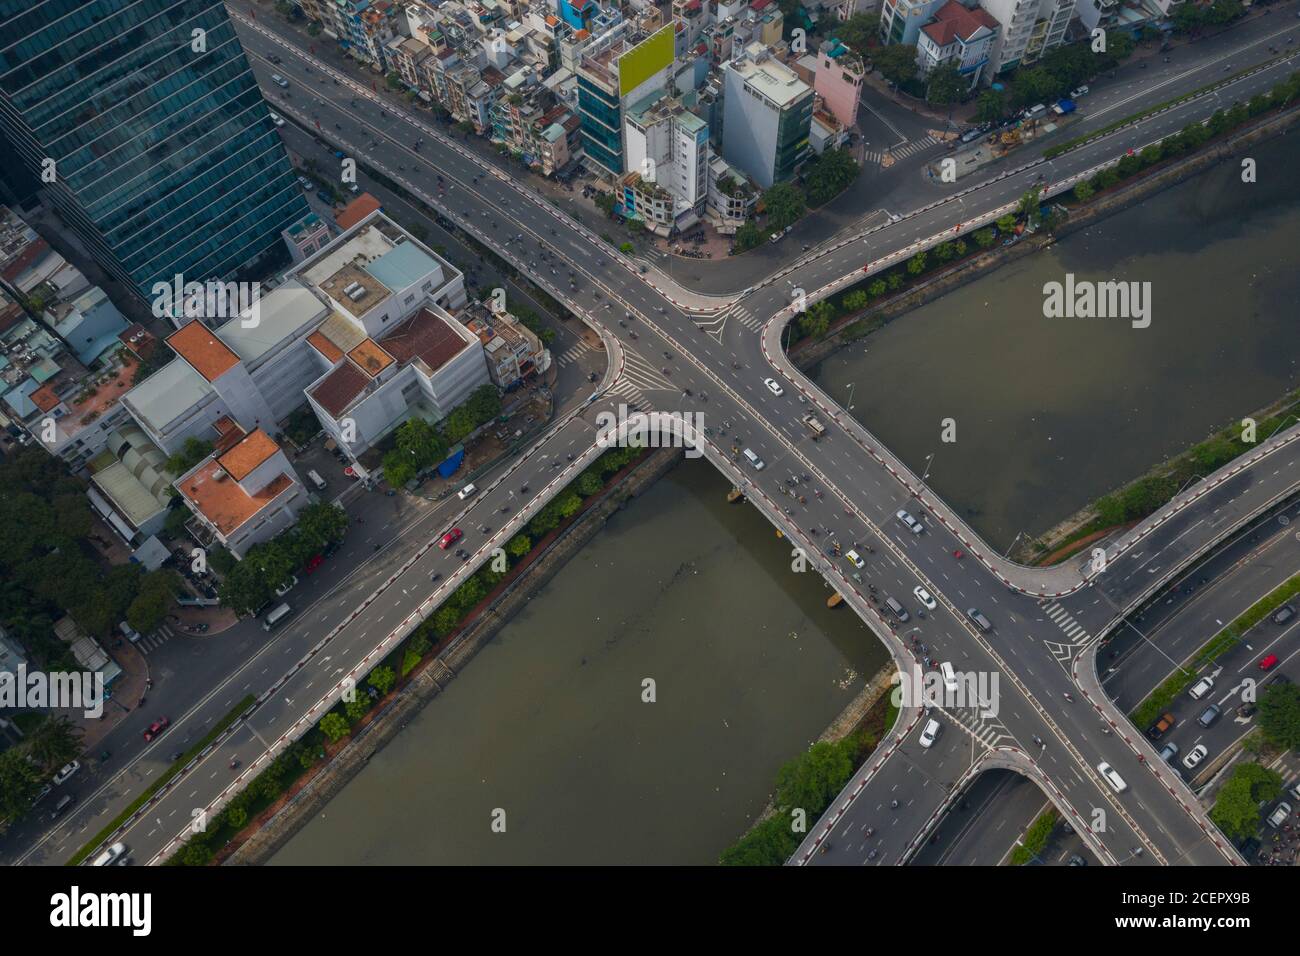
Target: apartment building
767, 115
1027, 29
901, 20
244, 493
957, 34
668, 154
838, 80
618, 69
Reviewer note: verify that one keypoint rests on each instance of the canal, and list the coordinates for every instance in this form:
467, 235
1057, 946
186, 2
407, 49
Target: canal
548, 724
1053, 413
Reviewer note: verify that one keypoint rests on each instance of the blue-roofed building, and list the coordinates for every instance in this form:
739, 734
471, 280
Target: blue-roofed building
90, 324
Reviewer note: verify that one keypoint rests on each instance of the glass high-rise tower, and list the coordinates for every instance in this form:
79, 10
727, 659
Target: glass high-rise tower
165, 159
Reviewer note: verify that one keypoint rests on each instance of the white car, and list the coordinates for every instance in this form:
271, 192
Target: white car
1201, 688
114, 854
774, 387
66, 771
1195, 756
922, 595
855, 559
279, 81
930, 732
469, 491
1081, 91
1278, 816
287, 586
1111, 777
913, 525
276, 118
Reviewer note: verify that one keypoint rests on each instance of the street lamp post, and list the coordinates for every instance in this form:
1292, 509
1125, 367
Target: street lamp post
851, 384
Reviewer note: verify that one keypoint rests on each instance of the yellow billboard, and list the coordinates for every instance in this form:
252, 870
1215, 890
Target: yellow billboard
645, 60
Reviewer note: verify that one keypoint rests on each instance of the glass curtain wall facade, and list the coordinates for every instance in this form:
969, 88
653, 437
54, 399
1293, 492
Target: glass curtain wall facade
164, 157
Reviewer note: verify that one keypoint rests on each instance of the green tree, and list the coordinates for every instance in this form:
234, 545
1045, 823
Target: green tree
20, 781
519, 546
1083, 191
916, 264
811, 781
747, 237
855, 301
1006, 223
785, 206
828, 175
1236, 809
945, 85
1279, 715
321, 524
896, 62
382, 679
357, 707
333, 726
52, 744
588, 484
858, 32
990, 106
985, 237
877, 288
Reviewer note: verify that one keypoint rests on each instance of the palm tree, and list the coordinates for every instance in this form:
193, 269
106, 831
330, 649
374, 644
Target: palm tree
56, 741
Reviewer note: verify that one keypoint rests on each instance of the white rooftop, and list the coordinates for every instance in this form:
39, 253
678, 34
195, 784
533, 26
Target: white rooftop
168, 393
281, 314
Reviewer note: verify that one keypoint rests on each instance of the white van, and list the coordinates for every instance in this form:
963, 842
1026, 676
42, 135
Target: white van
469, 491
110, 856
1201, 688
1111, 777
316, 480
1278, 816
754, 460
949, 677
129, 632
276, 616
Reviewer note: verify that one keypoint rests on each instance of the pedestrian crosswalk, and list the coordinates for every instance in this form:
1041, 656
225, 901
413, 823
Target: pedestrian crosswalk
989, 731
155, 640
643, 376
747, 318
628, 394
1075, 632
896, 153
574, 352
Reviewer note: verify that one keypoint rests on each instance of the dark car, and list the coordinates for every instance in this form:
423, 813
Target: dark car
1283, 614
156, 728
325, 197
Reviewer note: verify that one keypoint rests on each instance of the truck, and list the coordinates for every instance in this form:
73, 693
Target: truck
1064, 107
815, 427
1161, 726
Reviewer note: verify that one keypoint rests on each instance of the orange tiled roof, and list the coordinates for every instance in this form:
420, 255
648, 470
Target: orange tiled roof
253, 449
223, 502
355, 211
44, 397
321, 343
370, 358
199, 346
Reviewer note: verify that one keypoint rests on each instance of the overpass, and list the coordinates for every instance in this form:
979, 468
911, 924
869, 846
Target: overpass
1044, 621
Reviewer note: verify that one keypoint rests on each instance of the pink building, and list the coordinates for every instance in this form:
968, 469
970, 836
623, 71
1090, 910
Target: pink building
839, 80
